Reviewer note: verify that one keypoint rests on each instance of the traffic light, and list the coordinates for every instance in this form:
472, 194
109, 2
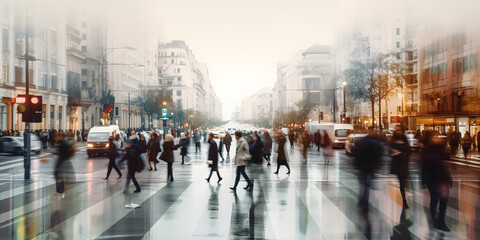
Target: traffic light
31, 108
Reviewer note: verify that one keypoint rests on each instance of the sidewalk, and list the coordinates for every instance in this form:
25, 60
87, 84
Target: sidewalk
472, 157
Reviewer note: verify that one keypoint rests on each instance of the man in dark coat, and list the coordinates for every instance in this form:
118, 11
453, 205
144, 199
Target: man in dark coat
220, 149
227, 140
317, 137
368, 153
291, 138
133, 159
197, 136
213, 157
63, 168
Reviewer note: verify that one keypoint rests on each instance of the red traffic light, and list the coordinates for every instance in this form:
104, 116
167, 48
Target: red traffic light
34, 100
21, 100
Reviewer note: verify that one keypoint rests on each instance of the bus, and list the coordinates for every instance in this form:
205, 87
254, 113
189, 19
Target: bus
338, 132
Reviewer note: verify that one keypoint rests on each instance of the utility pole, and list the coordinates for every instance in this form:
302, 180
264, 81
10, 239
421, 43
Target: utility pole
129, 111
334, 103
26, 133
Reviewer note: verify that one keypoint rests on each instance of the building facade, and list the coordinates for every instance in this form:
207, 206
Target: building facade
46, 34
257, 106
186, 80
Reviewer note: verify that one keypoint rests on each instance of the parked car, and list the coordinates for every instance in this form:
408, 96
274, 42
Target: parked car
351, 140
9, 144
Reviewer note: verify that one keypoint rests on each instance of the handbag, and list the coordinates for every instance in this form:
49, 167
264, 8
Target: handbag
209, 162
246, 157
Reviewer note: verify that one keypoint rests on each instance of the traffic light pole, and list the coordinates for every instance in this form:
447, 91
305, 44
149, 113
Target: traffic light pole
26, 133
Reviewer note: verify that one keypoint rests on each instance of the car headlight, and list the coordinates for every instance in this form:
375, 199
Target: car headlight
108, 145
89, 145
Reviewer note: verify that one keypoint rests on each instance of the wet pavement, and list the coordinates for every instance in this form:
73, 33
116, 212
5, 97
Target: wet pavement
316, 201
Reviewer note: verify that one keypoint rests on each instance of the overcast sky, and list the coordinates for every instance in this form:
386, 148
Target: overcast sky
241, 41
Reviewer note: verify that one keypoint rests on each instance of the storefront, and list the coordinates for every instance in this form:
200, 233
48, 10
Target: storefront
440, 124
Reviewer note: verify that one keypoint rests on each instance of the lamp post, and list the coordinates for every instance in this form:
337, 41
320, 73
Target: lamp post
344, 105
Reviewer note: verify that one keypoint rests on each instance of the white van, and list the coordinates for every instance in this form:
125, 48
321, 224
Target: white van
336, 131
97, 139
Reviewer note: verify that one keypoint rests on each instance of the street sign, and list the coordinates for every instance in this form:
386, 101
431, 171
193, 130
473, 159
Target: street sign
164, 112
165, 117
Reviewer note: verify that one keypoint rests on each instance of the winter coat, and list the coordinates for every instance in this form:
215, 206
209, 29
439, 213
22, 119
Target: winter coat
183, 144
133, 158
368, 154
399, 165
257, 151
213, 154
154, 150
142, 146
167, 154
242, 148
317, 137
112, 151
434, 170
282, 156
227, 140
267, 145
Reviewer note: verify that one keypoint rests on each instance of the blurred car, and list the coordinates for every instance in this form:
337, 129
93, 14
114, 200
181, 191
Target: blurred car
124, 135
351, 140
9, 144
412, 141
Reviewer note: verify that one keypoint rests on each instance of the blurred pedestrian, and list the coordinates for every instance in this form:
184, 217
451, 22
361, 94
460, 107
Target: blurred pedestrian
142, 146
63, 172
317, 138
133, 162
267, 146
400, 153
257, 149
436, 176
466, 144
196, 137
153, 150
228, 142
220, 148
291, 137
242, 157
167, 155
368, 153
327, 147
282, 154
306, 145
213, 158
112, 155
183, 146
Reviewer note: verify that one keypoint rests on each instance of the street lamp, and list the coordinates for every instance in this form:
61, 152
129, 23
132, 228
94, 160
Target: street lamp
400, 97
344, 106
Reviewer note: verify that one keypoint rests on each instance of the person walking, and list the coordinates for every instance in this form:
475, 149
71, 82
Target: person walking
267, 147
436, 177
142, 146
167, 155
133, 160
466, 144
317, 138
63, 167
153, 150
368, 153
291, 138
197, 136
282, 154
227, 140
183, 146
306, 145
257, 149
400, 153
242, 157
220, 148
112, 155
327, 147
213, 158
